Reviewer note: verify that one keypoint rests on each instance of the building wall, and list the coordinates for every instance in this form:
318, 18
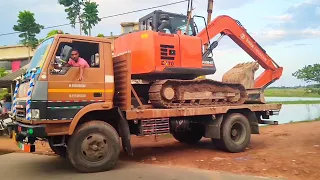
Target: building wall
13, 65
14, 52
13, 58
127, 27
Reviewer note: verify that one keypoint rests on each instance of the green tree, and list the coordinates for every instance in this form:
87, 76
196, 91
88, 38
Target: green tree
29, 29
73, 10
90, 16
51, 33
3, 72
309, 73
54, 32
83, 12
100, 35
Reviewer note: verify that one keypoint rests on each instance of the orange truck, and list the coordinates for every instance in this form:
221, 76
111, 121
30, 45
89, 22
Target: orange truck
148, 87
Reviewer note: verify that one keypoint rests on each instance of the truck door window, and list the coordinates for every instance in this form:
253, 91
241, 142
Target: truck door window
87, 50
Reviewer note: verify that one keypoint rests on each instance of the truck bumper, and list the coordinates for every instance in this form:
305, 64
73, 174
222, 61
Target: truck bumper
24, 135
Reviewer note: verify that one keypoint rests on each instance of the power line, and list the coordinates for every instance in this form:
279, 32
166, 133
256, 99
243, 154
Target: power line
110, 16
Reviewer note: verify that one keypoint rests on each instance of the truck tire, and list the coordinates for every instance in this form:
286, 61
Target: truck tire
94, 147
59, 150
235, 134
218, 143
187, 137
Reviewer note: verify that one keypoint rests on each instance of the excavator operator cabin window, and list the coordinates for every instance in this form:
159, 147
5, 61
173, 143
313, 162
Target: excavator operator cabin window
89, 51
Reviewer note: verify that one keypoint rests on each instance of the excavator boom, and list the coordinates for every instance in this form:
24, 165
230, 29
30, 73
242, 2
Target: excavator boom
226, 25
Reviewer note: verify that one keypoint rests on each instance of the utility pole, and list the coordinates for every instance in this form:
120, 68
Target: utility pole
189, 13
209, 10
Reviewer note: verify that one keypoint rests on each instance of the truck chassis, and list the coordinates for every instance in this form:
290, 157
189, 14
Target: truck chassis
91, 140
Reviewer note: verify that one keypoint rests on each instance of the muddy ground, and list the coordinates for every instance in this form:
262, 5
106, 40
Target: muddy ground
290, 151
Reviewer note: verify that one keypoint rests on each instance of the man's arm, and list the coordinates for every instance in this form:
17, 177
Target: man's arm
81, 73
67, 65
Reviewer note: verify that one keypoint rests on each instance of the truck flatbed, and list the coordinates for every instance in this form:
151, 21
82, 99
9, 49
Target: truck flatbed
160, 113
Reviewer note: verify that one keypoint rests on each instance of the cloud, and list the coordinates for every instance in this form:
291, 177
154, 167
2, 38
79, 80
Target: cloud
311, 32
229, 4
281, 18
297, 44
299, 21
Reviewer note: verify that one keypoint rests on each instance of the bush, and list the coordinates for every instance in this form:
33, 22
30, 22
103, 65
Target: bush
3, 93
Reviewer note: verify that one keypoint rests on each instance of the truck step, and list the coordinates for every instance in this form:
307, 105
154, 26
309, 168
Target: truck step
154, 126
269, 122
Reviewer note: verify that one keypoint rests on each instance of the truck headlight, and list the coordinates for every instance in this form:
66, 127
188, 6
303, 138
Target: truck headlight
35, 113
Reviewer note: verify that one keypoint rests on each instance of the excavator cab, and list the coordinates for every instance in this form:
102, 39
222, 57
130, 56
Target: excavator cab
166, 22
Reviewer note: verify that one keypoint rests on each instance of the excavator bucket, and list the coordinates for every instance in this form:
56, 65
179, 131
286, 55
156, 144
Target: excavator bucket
243, 73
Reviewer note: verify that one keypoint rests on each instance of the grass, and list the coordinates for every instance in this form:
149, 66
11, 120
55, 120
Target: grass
296, 102
298, 92
306, 121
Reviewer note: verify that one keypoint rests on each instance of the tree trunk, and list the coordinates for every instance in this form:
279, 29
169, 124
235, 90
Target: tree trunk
80, 24
29, 58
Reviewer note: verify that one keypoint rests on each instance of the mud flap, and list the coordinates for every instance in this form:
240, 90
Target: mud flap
213, 127
253, 120
124, 132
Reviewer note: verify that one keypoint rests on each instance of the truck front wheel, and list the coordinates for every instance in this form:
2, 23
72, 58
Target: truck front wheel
94, 147
235, 133
59, 150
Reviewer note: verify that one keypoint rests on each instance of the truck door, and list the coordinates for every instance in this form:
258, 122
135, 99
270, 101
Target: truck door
66, 94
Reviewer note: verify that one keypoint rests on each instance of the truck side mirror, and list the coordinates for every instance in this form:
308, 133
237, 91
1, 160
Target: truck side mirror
65, 53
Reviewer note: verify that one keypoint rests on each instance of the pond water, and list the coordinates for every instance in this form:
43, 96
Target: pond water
295, 112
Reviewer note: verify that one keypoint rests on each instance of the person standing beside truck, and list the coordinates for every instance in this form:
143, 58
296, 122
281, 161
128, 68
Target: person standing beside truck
77, 61
6, 104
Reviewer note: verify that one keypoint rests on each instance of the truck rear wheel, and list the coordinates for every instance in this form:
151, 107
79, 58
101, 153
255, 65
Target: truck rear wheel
94, 147
235, 133
187, 137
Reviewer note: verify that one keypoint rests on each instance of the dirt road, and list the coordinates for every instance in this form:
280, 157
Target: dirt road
37, 167
290, 151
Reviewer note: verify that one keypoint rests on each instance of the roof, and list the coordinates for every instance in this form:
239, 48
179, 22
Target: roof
11, 46
129, 23
6, 81
91, 38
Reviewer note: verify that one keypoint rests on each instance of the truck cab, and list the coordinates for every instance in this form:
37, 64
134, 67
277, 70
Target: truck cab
51, 91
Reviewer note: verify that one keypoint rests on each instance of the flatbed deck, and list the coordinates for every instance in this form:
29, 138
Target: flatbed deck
160, 113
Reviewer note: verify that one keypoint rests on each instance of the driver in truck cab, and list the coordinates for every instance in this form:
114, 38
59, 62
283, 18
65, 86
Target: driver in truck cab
77, 61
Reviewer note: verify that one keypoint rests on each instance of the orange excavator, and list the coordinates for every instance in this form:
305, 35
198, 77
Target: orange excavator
168, 54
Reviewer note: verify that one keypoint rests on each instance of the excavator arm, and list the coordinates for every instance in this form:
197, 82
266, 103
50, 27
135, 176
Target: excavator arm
226, 25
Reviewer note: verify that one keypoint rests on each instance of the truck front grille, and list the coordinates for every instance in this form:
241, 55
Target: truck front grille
21, 112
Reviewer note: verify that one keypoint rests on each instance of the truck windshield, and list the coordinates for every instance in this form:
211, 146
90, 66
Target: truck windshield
40, 54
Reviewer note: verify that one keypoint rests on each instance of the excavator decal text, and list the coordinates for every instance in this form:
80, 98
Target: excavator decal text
247, 40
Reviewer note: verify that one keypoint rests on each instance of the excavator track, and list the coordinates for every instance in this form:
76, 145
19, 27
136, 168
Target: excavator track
173, 93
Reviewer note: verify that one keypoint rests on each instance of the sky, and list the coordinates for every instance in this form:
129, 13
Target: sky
289, 30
